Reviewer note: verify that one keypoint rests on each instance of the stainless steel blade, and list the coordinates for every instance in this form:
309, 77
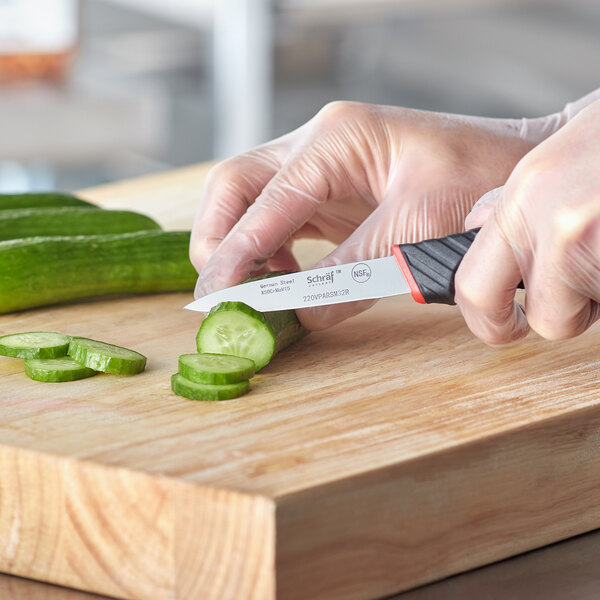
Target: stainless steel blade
368, 279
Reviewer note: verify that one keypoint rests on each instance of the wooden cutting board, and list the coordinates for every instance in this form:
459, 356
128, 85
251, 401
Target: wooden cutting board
391, 450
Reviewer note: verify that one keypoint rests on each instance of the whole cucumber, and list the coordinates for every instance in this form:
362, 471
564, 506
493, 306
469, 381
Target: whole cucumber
30, 222
47, 270
42, 200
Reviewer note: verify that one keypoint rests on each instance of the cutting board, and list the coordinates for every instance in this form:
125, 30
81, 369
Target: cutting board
391, 450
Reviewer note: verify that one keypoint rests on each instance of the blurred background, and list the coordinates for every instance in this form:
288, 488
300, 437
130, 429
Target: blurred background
101, 90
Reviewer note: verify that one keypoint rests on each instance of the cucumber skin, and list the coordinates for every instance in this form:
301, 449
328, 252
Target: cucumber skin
42, 200
47, 270
44, 352
283, 325
214, 378
205, 392
87, 357
67, 221
58, 376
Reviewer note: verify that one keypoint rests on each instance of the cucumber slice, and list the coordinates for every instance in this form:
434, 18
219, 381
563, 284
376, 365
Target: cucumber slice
107, 358
205, 391
237, 329
34, 344
216, 369
55, 370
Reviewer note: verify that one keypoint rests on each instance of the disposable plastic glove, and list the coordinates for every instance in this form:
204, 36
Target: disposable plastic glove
542, 227
362, 176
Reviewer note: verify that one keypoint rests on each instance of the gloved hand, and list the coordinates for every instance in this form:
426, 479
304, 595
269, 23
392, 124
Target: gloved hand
362, 176
542, 227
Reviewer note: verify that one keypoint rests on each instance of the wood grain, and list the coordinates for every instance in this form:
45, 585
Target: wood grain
391, 450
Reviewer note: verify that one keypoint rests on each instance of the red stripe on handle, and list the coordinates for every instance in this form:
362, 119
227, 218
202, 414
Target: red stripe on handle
412, 284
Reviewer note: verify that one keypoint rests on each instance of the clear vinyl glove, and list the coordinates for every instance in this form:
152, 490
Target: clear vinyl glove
362, 176
542, 227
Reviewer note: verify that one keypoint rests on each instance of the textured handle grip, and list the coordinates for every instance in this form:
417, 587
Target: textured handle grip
429, 266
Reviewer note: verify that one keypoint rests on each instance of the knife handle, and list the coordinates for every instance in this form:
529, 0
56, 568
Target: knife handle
429, 266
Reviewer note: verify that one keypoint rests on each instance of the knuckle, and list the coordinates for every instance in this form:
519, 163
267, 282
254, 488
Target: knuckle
556, 328
526, 188
469, 293
494, 337
223, 171
201, 250
341, 111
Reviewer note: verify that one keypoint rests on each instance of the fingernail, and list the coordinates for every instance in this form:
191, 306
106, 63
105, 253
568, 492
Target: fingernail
201, 288
482, 208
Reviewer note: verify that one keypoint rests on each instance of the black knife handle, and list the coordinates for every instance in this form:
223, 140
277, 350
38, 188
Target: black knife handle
429, 266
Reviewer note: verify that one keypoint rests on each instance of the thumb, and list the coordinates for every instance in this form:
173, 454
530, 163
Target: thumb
483, 208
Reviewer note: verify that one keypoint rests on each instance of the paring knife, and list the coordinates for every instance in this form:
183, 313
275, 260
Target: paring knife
425, 270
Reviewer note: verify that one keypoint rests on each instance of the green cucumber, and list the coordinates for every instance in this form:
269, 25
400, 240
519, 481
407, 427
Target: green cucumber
205, 391
34, 344
236, 328
216, 369
107, 358
56, 370
48, 270
70, 220
42, 200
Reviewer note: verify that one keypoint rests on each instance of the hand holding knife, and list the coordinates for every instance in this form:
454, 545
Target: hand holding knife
424, 269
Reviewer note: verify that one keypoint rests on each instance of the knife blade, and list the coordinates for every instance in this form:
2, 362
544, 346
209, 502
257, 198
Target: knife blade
424, 269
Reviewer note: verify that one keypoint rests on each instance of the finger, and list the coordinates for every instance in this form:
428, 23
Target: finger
372, 239
283, 260
285, 204
485, 283
563, 290
231, 186
482, 209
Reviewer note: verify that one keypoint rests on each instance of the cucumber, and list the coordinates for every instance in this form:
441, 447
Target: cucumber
107, 358
34, 344
56, 370
69, 220
205, 391
236, 328
215, 368
47, 270
42, 200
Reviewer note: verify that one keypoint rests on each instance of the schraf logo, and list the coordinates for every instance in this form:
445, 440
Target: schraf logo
320, 279
361, 273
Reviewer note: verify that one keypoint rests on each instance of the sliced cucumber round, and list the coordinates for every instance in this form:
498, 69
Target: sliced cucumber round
56, 370
34, 344
107, 358
206, 391
236, 329
215, 368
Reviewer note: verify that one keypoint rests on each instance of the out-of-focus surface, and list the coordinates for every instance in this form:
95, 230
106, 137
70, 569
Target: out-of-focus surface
140, 96
565, 570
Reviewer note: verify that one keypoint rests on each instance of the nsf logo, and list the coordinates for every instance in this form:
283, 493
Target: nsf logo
361, 273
